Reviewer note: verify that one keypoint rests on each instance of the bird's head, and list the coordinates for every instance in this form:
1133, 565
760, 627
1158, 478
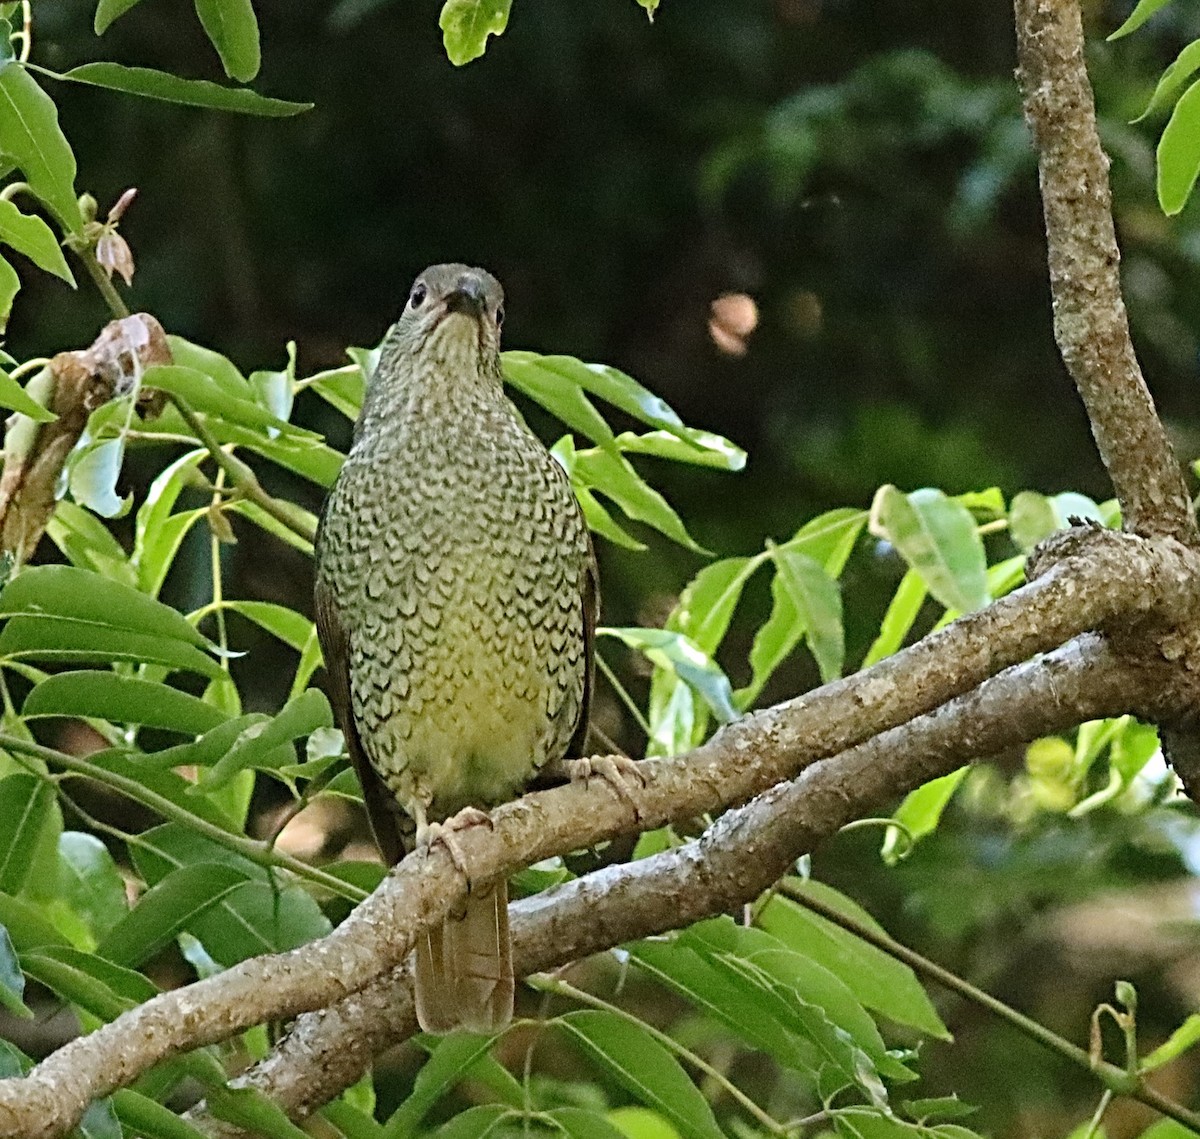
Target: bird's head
454, 314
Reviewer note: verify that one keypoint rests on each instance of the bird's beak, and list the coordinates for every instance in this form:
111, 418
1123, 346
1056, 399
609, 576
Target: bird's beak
467, 297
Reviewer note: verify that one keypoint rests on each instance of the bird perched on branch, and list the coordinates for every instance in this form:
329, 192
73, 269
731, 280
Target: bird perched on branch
456, 600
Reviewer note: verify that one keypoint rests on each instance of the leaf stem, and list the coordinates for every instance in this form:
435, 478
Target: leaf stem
240, 475
257, 852
624, 696
547, 984
1116, 1080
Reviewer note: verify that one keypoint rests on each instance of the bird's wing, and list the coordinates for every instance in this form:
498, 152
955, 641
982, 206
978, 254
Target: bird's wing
335, 645
590, 599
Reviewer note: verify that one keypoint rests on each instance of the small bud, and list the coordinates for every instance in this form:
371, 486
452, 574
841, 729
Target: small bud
121, 205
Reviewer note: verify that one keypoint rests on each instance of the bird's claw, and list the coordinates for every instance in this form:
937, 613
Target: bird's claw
620, 772
432, 834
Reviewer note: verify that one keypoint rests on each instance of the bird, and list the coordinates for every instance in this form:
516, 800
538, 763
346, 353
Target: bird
456, 601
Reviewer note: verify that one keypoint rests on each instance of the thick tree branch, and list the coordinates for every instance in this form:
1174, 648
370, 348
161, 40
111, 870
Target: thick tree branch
732, 863
1104, 579
1090, 323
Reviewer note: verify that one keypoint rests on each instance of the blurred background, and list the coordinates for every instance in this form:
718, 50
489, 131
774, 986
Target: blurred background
857, 174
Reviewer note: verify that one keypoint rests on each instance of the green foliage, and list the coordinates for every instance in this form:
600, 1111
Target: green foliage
829, 1021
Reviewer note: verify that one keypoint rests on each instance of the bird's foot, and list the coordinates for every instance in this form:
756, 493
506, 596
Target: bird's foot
432, 834
621, 773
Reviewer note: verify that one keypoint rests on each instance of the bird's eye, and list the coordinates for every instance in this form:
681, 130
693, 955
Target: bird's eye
499, 316
417, 297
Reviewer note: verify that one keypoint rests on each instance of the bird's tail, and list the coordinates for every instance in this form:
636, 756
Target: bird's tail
464, 973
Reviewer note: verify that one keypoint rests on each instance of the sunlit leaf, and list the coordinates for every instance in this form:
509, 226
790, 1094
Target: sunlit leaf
93, 477
1179, 152
1172, 80
707, 602
140, 1115
1142, 11
1184, 1037
818, 603
678, 654
88, 544
466, 25
901, 613
938, 538
920, 813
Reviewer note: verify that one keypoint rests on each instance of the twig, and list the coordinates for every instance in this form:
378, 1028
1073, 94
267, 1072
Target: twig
257, 852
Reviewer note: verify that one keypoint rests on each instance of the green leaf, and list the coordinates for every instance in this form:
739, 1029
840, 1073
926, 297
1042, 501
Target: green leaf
256, 918
88, 544
644, 1068
679, 655
828, 540
651, 7
109, 10
174, 89
167, 783
938, 1107
1185, 66
165, 909
818, 604
1140, 14
89, 881
251, 1110
800, 994
880, 982
205, 395
937, 537
93, 477
700, 448
579, 1123
25, 802
141, 1115
299, 717
28, 234
292, 628
919, 814
233, 30
98, 1122
1179, 152
612, 475
121, 699
55, 639
16, 398
10, 285
563, 398
641, 1123
75, 594
26, 925
747, 1013
1183, 1038
901, 613
466, 25
100, 987
450, 1062
12, 980
707, 602
476, 1122
158, 533
342, 388
30, 136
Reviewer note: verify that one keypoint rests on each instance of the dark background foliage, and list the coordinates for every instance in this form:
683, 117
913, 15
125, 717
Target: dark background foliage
861, 170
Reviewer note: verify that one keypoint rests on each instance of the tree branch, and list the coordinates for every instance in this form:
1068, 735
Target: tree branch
1102, 576
1090, 322
741, 855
